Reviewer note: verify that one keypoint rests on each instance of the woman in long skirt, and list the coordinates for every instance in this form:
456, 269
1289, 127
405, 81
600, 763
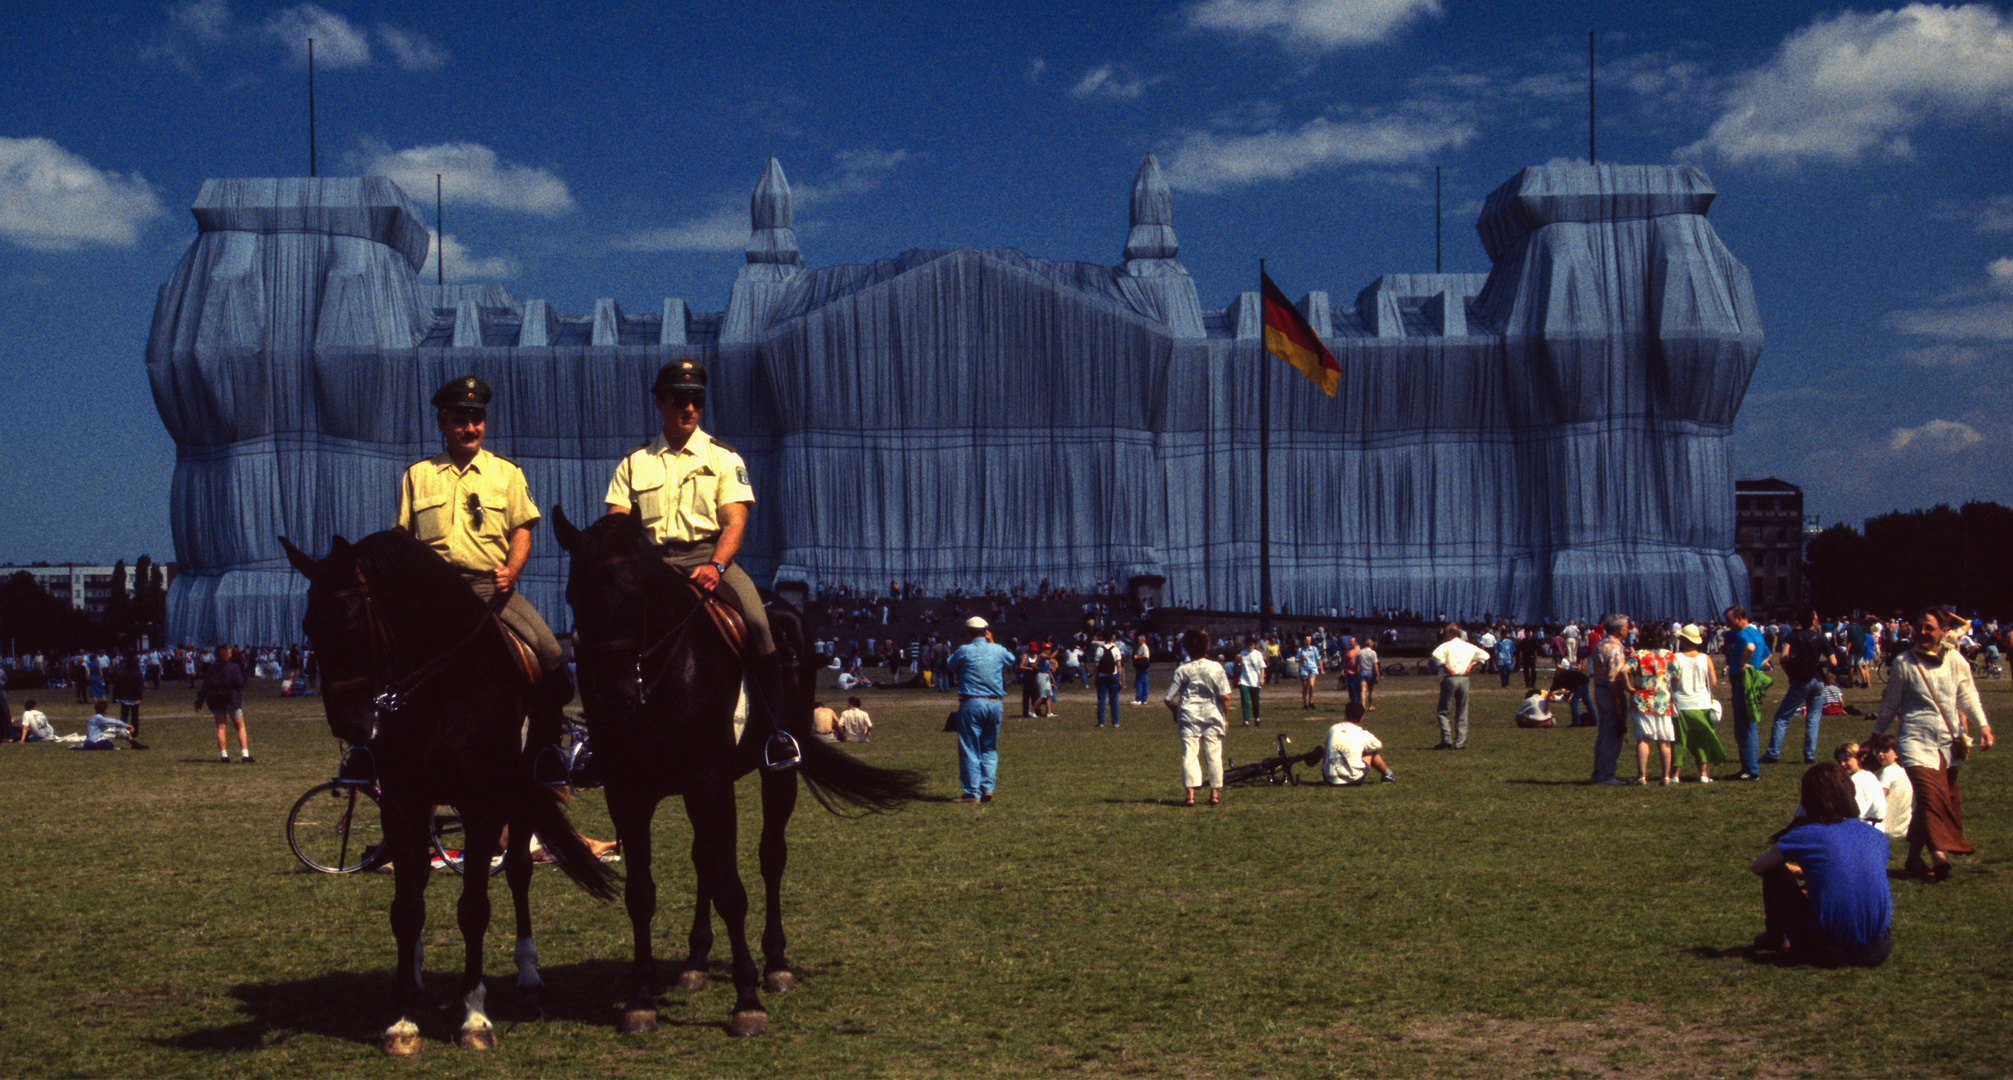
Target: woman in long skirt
1199, 698
1933, 703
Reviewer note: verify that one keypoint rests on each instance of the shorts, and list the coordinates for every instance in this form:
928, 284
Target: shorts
225, 716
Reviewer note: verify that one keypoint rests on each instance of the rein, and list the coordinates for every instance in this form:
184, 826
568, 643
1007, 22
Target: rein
391, 699
643, 654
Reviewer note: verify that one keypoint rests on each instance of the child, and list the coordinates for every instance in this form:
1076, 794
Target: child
1832, 703
1350, 749
1535, 711
1866, 791
1880, 753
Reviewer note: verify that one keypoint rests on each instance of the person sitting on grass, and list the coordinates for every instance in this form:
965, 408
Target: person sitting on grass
1353, 751
100, 730
1843, 911
1867, 793
1880, 755
35, 725
1535, 711
854, 724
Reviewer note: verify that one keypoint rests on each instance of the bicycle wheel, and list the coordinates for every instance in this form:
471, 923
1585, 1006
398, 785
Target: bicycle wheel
336, 829
448, 841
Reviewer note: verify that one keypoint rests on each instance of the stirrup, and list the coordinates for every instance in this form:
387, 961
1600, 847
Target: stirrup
548, 769
359, 766
781, 752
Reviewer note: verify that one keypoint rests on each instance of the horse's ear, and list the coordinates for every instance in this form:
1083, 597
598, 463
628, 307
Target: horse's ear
302, 561
338, 546
563, 528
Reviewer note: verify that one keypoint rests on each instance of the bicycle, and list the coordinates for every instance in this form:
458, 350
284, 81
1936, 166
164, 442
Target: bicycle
336, 827
1273, 770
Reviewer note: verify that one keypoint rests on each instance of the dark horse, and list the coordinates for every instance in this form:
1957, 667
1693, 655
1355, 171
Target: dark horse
415, 666
659, 682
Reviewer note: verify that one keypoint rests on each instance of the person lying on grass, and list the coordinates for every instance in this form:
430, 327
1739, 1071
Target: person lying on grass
1842, 912
1353, 751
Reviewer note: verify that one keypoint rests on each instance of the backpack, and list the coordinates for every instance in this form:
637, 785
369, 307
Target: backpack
1803, 656
1107, 660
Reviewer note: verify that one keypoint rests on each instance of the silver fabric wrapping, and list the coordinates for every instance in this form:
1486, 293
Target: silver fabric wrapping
1546, 440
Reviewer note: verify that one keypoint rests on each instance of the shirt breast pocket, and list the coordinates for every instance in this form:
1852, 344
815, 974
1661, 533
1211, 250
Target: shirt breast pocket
488, 514
431, 516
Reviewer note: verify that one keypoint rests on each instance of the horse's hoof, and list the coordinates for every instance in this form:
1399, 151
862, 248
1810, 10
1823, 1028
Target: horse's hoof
639, 1020
692, 979
748, 1022
482, 1038
778, 982
401, 1044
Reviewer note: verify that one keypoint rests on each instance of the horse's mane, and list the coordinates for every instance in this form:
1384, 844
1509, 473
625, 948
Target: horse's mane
417, 586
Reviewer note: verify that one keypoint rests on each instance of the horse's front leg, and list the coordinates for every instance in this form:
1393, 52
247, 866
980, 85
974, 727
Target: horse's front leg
517, 871
481, 830
405, 837
779, 801
692, 974
631, 813
711, 811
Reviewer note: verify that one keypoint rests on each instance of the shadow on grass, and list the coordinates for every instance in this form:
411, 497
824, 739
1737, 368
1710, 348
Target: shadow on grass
1767, 957
355, 1006
1547, 783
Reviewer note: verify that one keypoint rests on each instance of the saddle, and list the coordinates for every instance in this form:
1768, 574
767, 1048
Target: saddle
733, 630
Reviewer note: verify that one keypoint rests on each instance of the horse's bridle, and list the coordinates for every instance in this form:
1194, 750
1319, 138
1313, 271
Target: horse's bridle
638, 686
383, 646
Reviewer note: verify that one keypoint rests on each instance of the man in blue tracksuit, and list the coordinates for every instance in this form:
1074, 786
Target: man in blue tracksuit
979, 668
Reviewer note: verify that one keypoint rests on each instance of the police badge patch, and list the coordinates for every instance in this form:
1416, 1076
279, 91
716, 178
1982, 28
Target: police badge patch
741, 474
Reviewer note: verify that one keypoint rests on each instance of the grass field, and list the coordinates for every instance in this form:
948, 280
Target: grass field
1489, 915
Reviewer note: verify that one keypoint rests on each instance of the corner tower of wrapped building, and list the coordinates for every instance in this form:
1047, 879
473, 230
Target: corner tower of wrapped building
1546, 439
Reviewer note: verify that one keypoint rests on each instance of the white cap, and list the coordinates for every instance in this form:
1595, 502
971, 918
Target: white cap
975, 623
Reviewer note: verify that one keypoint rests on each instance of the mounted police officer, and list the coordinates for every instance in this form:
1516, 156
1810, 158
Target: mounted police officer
473, 509
693, 495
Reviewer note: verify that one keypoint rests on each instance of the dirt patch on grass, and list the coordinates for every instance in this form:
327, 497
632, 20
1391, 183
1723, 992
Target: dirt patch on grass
1635, 1042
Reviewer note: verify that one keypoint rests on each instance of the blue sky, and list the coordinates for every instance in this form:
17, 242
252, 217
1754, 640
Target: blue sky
1860, 156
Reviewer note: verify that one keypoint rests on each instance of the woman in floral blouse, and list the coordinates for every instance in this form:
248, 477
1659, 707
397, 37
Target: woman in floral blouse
1651, 712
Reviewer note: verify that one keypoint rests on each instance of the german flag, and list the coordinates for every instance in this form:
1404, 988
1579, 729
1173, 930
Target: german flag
1288, 337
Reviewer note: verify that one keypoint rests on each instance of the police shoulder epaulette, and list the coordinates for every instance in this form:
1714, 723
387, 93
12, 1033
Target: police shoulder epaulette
505, 460
723, 447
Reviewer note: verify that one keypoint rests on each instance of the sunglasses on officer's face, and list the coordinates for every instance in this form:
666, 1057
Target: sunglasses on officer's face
678, 399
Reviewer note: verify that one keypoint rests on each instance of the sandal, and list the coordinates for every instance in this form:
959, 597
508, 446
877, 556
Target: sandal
1191, 799
1217, 800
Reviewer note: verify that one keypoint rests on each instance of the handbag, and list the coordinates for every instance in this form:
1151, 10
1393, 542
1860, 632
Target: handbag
1960, 743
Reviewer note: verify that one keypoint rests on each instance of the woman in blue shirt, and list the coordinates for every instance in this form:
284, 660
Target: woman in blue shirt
1842, 913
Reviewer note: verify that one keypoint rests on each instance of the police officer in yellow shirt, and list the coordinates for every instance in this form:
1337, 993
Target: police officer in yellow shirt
474, 510
693, 495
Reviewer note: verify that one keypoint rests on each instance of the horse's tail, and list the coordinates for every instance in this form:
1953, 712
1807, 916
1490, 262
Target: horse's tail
835, 776
547, 821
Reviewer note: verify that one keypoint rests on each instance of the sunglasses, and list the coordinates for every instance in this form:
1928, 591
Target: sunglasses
474, 510
678, 399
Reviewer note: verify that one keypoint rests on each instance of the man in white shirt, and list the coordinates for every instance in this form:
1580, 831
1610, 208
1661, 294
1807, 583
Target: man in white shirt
1353, 751
1250, 679
1455, 658
854, 724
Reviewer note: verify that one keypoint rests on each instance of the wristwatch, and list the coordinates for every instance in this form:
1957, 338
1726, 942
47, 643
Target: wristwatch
720, 566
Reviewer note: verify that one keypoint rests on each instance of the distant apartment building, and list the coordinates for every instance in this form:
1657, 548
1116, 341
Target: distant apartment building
88, 588
1768, 535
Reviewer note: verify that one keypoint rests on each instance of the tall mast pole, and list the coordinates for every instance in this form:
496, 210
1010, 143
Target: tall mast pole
1590, 98
1436, 219
1264, 476
439, 243
311, 107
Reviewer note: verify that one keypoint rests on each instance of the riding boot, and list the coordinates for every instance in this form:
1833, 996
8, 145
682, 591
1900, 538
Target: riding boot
780, 751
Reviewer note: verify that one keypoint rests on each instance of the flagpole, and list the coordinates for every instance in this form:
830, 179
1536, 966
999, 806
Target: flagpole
1264, 481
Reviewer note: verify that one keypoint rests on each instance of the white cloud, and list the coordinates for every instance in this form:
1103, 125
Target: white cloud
53, 200
1857, 84
1312, 25
337, 43
1988, 320
1210, 161
472, 175
462, 266
1937, 437
725, 227
413, 51
1036, 68
1111, 82
1999, 275
204, 20
1996, 216
1945, 354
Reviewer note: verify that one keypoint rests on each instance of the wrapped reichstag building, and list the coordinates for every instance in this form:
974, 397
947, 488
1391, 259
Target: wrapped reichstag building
1547, 439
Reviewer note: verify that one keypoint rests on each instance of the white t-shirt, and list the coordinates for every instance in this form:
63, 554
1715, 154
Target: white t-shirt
1900, 801
856, 724
1690, 682
1866, 791
1251, 667
36, 723
1347, 743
